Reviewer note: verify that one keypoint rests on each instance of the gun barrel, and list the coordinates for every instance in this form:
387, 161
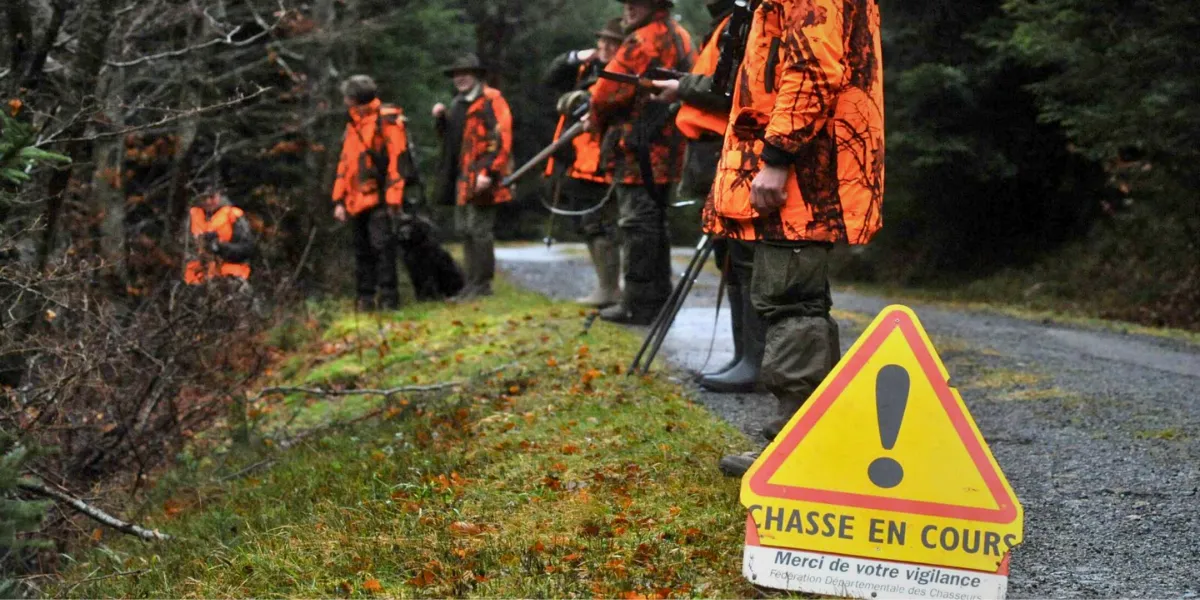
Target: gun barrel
567, 136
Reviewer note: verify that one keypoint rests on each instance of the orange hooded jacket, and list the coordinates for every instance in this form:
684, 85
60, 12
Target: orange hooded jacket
809, 97
486, 148
586, 146
356, 185
694, 122
659, 43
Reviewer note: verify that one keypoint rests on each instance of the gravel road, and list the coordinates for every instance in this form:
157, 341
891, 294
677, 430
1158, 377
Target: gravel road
1097, 431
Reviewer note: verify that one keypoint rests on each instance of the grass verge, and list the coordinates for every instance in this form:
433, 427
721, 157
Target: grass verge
544, 473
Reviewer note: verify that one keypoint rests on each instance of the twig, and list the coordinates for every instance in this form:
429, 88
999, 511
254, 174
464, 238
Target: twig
388, 393
226, 41
92, 512
248, 470
164, 121
312, 235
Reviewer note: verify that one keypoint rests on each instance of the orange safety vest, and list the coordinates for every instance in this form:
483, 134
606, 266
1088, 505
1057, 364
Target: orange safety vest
587, 149
691, 121
221, 223
810, 85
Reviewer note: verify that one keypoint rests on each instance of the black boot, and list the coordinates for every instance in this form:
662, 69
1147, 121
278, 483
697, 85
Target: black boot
734, 293
743, 377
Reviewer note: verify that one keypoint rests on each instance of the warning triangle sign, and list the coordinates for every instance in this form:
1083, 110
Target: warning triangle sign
887, 452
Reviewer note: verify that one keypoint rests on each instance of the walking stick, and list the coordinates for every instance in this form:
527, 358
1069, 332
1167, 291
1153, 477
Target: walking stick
662, 321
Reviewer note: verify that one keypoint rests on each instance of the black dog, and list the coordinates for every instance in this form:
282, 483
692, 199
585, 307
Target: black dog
434, 274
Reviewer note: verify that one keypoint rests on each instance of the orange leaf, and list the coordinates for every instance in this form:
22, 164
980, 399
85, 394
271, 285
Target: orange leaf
97, 534
465, 528
424, 578
172, 507
373, 586
551, 362
14, 106
570, 449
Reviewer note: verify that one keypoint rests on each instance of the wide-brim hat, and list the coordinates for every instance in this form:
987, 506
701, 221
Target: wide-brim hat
612, 30
467, 63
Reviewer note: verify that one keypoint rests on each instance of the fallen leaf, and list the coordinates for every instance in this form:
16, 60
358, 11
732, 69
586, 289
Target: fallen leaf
14, 106
97, 534
465, 528
570, 449
372, 586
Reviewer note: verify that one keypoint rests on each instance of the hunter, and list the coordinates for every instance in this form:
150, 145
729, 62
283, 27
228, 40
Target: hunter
703, 119
221, 241
578, 175
373, 152
801, 171
646, 152
476, 132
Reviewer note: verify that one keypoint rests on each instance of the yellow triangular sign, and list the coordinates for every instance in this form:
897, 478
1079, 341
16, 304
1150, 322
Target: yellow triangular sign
884, 461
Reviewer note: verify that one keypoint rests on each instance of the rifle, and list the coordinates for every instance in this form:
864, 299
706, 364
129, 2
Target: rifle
644, 81
733, 47
565, 138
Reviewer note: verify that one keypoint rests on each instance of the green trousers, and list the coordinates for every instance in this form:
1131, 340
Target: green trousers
476, 225
789, 289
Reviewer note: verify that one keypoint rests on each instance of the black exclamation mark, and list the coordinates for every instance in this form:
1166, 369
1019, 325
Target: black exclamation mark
891, 398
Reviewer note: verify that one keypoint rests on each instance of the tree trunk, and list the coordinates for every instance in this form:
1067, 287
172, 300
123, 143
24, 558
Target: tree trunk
95, 28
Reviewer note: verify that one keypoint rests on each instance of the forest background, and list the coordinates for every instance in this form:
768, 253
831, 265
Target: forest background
1043, 152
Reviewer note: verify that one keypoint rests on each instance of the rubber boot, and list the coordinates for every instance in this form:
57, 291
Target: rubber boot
485, 267
734, 293
606, 257
743, 377
470, 276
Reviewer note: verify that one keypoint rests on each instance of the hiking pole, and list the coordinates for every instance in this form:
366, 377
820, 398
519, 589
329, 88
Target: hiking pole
687, 282
666, 307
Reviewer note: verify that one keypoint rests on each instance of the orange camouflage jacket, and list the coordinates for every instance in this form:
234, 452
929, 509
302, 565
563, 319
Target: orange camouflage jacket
809, 97
486, 148
618, 109
357, 186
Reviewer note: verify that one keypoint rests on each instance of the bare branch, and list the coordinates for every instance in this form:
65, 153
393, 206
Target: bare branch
159, 123
92, 512
221, 41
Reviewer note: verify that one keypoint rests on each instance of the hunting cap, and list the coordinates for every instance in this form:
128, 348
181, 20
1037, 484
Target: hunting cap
612, 30
467, 63
360, 88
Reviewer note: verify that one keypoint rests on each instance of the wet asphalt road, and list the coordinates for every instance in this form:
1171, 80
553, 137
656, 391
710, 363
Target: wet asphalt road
1097, 431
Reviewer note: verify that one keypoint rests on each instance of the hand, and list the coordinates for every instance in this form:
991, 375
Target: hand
767, 192
339, 213
482, 182
668, 90
439, 110
569, 102
586, 121
585, 55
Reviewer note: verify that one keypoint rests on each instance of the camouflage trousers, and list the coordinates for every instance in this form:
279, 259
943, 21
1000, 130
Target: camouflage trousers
646, 248
790, 290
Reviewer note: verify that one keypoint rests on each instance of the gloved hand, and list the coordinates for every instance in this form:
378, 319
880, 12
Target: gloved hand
569, 102
211, 242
